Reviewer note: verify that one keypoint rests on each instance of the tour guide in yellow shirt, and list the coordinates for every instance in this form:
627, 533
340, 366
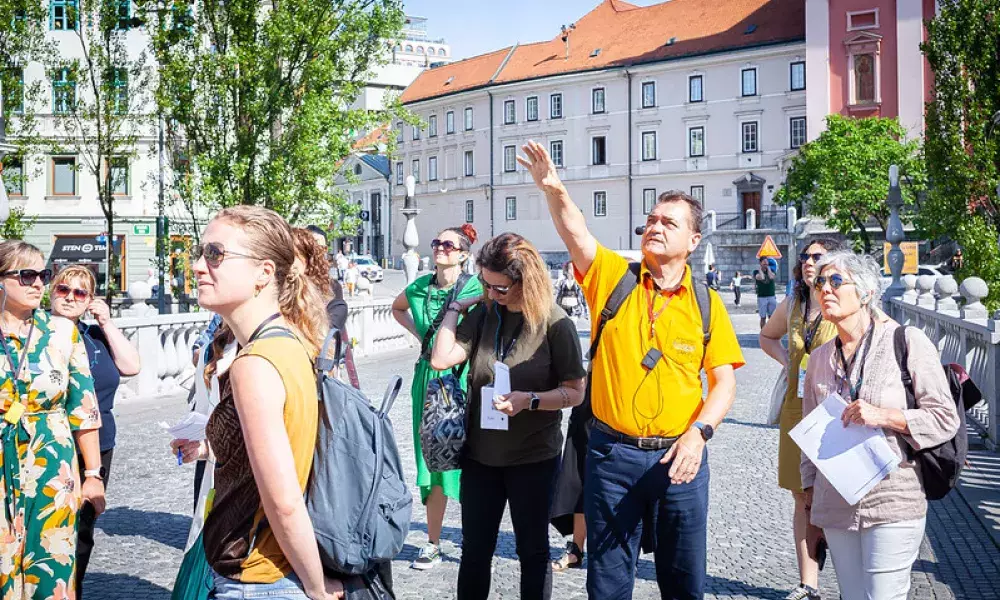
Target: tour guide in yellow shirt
647, 461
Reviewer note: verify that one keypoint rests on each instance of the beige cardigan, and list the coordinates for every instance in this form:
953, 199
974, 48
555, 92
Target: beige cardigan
900, 496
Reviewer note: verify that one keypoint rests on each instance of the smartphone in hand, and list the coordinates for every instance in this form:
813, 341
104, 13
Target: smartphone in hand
821, 552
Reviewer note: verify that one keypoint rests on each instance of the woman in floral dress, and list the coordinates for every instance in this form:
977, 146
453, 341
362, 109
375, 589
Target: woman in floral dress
45, 406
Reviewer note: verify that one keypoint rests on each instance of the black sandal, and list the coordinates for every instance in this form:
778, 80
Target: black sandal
566, 561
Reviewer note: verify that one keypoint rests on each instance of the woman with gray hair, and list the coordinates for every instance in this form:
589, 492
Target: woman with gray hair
874, 542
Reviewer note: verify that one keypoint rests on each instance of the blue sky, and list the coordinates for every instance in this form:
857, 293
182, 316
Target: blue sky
474, 27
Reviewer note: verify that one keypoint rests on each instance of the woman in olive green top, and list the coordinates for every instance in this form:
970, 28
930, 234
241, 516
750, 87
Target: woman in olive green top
799, 316
417, 309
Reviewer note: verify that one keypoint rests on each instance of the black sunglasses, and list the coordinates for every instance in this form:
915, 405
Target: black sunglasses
805, 256
28, 276
500, 289
836, 281
215, 253
63, 291
446, 245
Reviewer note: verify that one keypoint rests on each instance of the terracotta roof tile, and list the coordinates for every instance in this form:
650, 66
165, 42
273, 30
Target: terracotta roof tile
376, 138
626, 35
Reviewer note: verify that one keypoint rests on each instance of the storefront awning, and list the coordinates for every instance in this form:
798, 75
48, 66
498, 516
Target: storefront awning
69, 250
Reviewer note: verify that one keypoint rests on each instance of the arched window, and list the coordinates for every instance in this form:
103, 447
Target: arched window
430, 51
409, 48
357, 169
443, 52
420, 49
399, 48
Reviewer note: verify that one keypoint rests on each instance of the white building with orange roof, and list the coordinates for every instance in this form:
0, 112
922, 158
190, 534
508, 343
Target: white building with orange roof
704, 97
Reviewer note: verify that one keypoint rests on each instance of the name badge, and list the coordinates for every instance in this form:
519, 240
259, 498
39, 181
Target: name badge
802, 376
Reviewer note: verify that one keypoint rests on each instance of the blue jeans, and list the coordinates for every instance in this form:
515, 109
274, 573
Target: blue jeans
289, 588
627, 489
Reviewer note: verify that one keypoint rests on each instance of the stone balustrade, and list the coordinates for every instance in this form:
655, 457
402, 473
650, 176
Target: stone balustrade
964, 334
165, 343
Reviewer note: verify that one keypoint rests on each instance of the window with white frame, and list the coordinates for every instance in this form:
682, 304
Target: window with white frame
555, 106
597, 101
399, 173
698, 193
416, 132
648, 94
696, 141
399, 132
511, 206
648, 145
449, 122
470, 164
432, 126
797, 76
509, 112
600, 204
470, 211
648, 200
556, 152
63, 91
509, 159
749, 130
696, 89
469, 123
432, 168
749, 82
415, 169
599, 150
119, 176
63, 182
797, 131
13, 175
531, 108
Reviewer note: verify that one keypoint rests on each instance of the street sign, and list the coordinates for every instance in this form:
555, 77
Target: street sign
911, 257
768, 249
142, 229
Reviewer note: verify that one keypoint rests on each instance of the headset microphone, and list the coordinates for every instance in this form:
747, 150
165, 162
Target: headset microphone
641, 229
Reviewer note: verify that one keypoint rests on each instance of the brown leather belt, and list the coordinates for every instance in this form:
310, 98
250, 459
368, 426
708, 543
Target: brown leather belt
643, 443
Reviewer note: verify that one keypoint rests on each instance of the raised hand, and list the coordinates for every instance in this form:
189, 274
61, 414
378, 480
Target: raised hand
538, 162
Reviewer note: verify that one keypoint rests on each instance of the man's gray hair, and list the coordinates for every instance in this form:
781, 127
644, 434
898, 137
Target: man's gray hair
862, 269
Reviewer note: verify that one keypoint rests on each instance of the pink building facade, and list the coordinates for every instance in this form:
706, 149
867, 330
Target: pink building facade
863, 59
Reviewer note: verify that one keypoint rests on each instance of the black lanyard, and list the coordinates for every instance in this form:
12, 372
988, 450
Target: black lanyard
855, 389
810, 330
498, 346
260, 329
19, 365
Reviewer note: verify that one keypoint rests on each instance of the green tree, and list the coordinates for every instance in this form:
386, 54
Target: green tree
16, 225
23, 40
843, 175
258, 99
962, 142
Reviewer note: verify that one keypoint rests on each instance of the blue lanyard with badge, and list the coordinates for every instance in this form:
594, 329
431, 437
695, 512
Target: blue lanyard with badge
17, 408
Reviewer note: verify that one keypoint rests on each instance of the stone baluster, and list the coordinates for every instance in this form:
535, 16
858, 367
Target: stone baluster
911, 293
925, 283
712, 222
946, 287
974, 289
751, 219
793, 216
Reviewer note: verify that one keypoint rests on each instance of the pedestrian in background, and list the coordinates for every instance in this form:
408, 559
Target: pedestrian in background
647, 462
875, 542
111, 356
420, 309
764, 281
351, 276
737, 286
48, 403
513, 439
801, 318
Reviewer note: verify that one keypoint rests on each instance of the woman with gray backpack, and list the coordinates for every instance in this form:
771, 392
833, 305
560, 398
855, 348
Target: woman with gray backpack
420, 309
526, 366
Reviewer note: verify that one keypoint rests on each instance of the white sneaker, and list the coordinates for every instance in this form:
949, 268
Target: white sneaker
429, 557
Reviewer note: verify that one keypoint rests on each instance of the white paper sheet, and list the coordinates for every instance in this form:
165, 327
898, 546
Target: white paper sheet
501, 378
191, 427
489, 416
853, 458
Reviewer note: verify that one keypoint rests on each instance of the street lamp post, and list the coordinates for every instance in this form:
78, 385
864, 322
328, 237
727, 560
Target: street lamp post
894, 235
410, 238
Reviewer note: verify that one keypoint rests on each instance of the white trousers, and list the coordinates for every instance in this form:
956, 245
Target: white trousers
874, 563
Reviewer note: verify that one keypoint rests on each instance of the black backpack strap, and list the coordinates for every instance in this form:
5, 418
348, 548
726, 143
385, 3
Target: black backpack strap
703, 298
623, 288
425, 344
902, 353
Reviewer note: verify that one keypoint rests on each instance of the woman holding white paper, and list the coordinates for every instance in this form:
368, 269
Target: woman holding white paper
517, 339
874, 542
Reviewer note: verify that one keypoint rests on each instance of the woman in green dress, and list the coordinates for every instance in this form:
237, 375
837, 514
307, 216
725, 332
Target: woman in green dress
48, 408
417, 309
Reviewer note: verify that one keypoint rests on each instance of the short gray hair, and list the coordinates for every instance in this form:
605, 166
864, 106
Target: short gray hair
863, 270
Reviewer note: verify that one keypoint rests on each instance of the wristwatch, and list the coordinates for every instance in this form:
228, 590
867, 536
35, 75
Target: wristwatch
535, 401
707, 431
95, 473
455, 306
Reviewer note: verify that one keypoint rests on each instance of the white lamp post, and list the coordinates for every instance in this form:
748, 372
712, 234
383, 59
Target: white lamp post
410, 240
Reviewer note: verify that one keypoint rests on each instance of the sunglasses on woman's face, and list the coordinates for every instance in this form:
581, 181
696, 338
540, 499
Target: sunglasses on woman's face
215, 253
805, 256
446, 245
27, 277
500, 289
836, 281
64, 291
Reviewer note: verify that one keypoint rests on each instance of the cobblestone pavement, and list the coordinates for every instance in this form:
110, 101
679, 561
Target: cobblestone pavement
140, 539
